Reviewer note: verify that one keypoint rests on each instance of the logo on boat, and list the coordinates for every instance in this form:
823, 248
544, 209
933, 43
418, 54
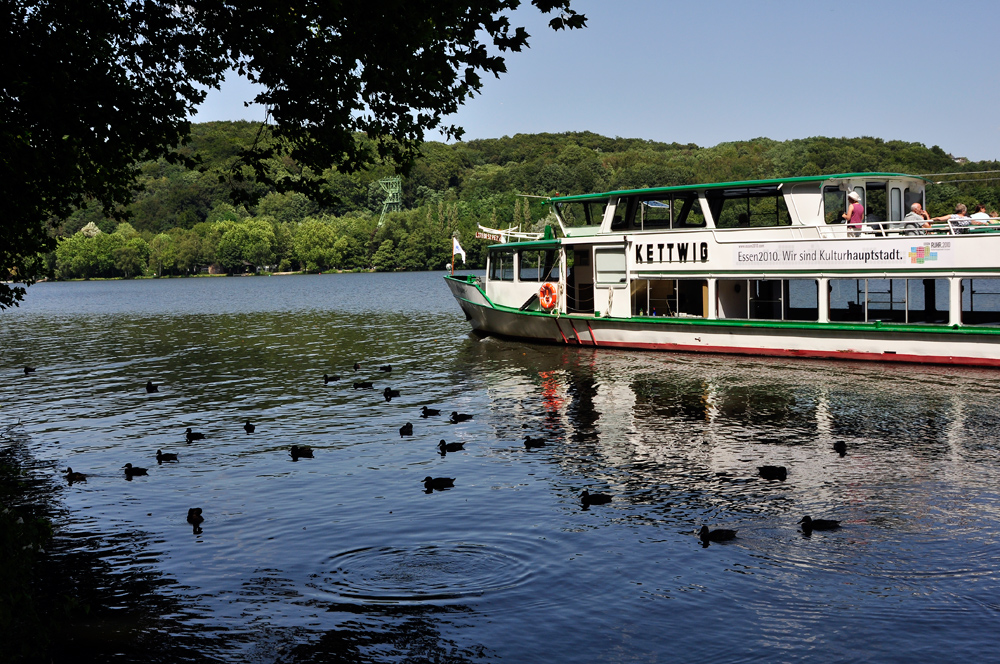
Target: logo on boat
922, 254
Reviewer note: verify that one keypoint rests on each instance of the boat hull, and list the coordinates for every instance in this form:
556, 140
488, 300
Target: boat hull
871, 342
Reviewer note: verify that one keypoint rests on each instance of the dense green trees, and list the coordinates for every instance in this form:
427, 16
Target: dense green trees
182, 221
96, 88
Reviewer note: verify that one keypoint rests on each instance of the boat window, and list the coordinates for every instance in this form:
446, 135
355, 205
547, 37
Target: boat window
928, 301
765, 298
847, 300
924, 301
538, 265
887, 300
743, 207
582, 213
652, 212
801, 299
911, 196
895, 204
624, 211
860, 191
876, 205
659, 211
610, 263
502, 265
685, 298
834, 205
981, 301
768, 299
687, 211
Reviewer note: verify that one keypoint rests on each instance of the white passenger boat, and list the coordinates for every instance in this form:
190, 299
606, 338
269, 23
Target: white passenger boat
764, 267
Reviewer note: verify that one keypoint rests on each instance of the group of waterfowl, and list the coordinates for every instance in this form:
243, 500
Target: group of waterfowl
431, 484
194, 516
808, 526
778, 474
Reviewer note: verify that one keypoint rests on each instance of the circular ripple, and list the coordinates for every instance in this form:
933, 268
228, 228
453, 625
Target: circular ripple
423, 572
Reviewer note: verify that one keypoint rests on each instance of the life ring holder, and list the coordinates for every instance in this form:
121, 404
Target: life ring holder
548, 296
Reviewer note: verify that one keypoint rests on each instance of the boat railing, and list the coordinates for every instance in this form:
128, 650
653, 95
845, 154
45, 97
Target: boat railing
906, 228
948, 227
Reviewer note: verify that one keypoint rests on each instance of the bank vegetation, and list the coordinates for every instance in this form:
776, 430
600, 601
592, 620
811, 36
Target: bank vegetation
183, 221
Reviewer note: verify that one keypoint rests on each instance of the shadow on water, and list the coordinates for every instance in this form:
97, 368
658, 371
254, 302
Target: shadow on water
388, 633
94, 595
98, 599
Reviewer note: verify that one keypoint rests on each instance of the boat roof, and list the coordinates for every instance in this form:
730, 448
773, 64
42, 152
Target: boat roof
739, 183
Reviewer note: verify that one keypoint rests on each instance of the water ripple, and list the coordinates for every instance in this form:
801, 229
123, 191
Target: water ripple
424, 572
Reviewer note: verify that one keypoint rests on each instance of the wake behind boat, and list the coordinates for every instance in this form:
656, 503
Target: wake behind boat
764, 267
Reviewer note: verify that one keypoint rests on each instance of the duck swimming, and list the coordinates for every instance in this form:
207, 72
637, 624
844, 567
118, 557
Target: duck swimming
438, 483
773, 472
194, 516
193, 435
327, 379
357, 366
302, 452
28, 370
406, 430
385, 367
457, 417
840, 447
718, 535
74, 477
161, 457
810, 524
249, 428
389, 394
450, 447
533, 443
429, 412
588, 498
364, 385
150, 387
131, 471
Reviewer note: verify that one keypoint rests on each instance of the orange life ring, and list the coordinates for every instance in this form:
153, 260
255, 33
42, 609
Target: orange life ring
547, 296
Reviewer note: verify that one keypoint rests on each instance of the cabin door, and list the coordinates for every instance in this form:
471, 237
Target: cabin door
579, 280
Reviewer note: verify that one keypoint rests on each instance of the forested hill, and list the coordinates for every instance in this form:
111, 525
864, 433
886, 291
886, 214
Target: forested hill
182, 220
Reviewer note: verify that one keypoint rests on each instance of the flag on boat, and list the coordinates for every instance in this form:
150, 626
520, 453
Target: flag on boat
456, 248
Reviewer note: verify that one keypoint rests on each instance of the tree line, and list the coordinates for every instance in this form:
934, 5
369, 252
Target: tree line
111, 83
182, 220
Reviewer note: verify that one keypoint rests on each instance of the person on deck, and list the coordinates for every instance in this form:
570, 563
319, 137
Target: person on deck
958, 221
917, 212
914, 219
980, 216
855, 214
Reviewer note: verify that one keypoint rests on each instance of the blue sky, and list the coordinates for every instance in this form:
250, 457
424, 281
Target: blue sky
719, 70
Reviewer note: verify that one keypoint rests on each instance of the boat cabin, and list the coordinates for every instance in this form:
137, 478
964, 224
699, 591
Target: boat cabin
766, 250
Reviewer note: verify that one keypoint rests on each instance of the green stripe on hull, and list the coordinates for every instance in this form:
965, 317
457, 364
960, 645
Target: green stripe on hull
759, 324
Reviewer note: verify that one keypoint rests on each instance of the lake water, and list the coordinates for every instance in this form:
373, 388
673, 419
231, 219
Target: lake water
344, 557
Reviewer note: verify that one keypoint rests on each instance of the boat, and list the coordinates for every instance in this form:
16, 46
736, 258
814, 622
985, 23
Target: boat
761, 267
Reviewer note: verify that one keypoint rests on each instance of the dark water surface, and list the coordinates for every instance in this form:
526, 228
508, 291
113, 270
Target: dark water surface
344, 557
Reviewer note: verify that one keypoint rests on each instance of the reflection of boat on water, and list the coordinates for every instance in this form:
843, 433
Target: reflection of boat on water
764, 267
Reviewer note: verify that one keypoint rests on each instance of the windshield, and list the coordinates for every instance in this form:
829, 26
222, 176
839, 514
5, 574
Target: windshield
582, 213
